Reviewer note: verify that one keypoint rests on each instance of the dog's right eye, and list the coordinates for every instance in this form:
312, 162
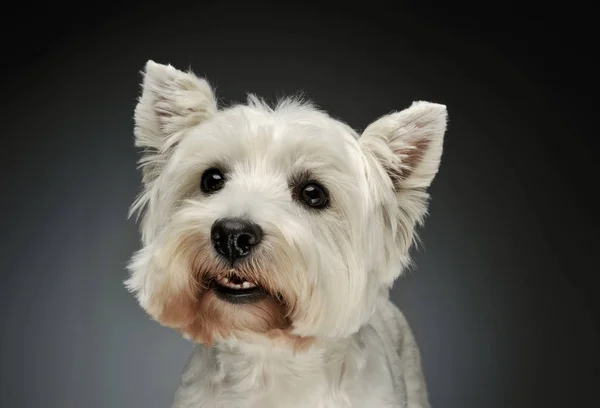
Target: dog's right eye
212, 181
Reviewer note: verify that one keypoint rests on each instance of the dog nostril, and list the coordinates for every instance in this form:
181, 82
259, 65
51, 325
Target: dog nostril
234, 238
245, 241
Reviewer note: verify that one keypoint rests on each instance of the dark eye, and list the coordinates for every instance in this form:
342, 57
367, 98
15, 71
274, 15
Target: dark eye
314, 195
212, 181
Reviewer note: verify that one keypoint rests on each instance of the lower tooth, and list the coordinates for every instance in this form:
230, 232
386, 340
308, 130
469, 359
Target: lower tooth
246, 285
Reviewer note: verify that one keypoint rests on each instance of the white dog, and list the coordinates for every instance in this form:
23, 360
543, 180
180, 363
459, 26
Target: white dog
271, 238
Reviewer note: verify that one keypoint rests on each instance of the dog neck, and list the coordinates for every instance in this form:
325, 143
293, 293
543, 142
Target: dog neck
260, 368
315, 353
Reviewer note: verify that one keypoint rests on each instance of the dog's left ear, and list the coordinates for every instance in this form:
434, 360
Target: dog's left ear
171, 102
408, 144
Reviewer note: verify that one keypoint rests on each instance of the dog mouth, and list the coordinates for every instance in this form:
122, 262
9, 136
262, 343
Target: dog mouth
237, 290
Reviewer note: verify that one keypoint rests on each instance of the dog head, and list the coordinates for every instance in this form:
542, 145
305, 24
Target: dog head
272, 221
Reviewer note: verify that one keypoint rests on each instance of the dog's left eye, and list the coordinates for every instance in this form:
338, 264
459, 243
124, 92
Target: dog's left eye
212, 181
314, 195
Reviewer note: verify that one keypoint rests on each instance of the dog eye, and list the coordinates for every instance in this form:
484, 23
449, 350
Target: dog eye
212, 181
314, 195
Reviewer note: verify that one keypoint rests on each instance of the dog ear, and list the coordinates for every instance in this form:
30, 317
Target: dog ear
408, 144
171, 101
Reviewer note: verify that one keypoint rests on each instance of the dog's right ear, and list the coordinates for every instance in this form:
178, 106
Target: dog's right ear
171, 102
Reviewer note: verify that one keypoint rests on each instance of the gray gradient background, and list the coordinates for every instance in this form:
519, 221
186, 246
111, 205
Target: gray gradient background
503, 300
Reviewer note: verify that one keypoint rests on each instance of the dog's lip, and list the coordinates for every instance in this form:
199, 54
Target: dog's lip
237, 290
239, 296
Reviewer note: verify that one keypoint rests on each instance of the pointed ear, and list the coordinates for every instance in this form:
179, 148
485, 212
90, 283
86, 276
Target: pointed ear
408, 144
171, 102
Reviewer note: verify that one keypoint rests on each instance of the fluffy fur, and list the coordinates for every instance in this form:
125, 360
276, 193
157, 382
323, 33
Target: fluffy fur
327, 334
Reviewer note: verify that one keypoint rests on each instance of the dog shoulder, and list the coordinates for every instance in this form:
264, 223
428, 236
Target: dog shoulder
390, 323
191, 393
406, 354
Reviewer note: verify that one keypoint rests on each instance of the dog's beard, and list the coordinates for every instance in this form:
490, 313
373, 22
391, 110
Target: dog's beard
208, 298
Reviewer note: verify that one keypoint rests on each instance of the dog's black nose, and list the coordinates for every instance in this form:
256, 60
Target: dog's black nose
234, 238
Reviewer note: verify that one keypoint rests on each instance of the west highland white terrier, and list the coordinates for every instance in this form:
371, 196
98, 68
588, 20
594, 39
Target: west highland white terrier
271, 236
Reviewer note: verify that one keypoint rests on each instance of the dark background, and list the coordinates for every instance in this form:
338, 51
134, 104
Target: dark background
504, 297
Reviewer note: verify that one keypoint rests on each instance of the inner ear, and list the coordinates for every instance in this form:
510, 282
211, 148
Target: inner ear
410, 157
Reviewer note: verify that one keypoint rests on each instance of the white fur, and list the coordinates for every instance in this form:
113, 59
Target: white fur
338, 263
378, 367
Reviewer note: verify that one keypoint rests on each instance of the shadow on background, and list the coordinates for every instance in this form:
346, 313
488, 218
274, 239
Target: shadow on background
503, 296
